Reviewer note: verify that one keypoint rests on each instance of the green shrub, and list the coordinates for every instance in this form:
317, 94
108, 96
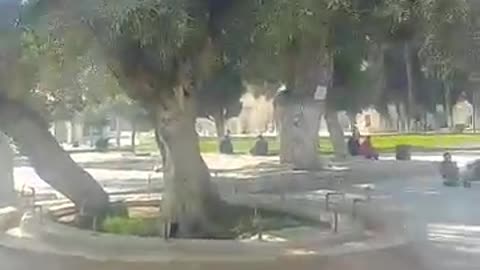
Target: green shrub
130, 226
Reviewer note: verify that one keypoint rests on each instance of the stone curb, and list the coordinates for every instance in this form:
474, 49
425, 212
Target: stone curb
66, 241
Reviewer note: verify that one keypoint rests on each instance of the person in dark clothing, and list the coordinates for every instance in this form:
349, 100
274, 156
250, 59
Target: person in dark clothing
226, 146
260, 148
367, 150
354, 145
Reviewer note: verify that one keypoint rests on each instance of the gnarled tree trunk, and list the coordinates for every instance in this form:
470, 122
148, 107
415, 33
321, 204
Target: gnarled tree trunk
190, 199
337, 136
298, 109
50, 161
298, 122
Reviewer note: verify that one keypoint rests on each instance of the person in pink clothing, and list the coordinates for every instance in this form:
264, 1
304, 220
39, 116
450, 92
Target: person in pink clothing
367, 150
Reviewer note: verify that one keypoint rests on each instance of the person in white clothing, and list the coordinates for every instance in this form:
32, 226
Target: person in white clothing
462, 113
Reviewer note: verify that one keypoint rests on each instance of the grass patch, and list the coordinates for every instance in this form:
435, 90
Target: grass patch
426, 142
242, 223
144, 227
383, 143
236, 223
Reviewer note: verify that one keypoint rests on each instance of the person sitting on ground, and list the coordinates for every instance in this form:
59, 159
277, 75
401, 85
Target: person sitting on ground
367, 150
354, 144
260, 148
449, 171
471, 173
226, 146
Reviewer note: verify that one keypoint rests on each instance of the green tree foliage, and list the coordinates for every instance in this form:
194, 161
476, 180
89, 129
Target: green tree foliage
42, 75
277, 28
97, 114
313, 31
353, 86
288, 33
432, 30
24, 109
219, 97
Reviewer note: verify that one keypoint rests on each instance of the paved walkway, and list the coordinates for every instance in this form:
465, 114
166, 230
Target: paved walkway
400, 258
443, 224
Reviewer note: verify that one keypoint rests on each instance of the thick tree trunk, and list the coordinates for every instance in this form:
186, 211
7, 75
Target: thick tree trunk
133, 138
50, 161
7, 185
190, 199
410, 85
91, 137
352, 117
403, 118
298, 122
448, 105
299, 108
220, 124
337, 136
118, 132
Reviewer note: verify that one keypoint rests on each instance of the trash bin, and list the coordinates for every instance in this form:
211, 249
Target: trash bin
403, 152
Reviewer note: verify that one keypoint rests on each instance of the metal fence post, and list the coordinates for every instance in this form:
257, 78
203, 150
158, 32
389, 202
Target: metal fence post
335, 221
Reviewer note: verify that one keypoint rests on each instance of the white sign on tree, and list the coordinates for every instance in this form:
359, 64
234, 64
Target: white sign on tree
320, 93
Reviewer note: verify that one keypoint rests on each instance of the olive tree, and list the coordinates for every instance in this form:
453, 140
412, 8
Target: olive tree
161, 53
309, 46
22, 111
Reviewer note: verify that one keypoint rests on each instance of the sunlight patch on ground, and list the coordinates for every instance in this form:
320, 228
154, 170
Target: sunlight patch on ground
300, 252
462, 160
355, 244
19, 233
266, 238
460, 237
431, 192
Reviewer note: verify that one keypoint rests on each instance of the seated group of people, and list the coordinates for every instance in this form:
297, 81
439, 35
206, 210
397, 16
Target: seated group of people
259, 149
364, 148
355, 146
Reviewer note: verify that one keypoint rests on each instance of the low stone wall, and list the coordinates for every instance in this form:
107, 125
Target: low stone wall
9, 218
49, 237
